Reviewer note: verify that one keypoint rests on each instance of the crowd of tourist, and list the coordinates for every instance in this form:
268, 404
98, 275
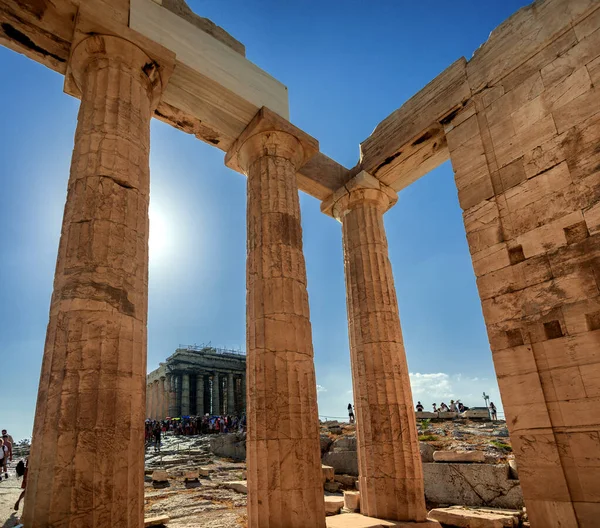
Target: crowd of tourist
193, 425
456, 406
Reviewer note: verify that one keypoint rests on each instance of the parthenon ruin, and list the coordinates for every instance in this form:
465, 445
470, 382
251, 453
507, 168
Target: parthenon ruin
197, 380
520, 123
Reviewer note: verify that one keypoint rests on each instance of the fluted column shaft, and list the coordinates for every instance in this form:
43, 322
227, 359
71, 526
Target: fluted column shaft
230, 394
87, 459
200, 394
390, 470
185, 395
172, 396
165, 398
216, 397
285, 484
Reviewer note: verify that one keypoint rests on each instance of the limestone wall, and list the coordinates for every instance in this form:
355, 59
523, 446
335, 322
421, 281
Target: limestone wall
526, 155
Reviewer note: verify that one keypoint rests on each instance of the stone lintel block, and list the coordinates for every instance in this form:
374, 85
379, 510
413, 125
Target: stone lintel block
356, 520
328, 473
363, 181
191, 474
263, 122
458, 456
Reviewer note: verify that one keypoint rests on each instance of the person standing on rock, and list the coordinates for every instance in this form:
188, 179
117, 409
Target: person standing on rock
3, 458
419, 407
493, 412
350, 413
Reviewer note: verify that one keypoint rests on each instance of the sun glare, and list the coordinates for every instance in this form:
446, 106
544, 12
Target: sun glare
159, 237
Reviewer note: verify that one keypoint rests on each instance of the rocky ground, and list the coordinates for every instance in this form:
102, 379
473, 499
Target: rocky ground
210, 503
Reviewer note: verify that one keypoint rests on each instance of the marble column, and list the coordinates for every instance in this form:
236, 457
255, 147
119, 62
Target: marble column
86, 466
159, 400
200, 394
390, 471
216, 399
171, 382
165, 398
148, 404
285, 482
230, 394
185, 395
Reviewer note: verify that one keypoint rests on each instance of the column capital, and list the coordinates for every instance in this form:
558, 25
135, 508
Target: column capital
269, 134
106, 47
361, 189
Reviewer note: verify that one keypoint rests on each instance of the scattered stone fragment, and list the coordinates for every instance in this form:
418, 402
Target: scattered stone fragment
332, 487
426, 452
241, 486
347, 481
156, 521
328, 473
356, 520
352, 500
191, 474
458, 456
333, 504
160, 475
461, 517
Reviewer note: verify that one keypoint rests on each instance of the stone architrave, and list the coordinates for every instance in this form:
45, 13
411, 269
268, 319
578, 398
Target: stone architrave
185, 395
216, 400
87, 458
230, 394
171, 382
390, 470
200, 394
285, 483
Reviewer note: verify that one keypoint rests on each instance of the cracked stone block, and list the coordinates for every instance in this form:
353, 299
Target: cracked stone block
461, 517
333, 504
458, 456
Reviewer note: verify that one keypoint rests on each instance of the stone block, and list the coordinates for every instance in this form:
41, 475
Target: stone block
461, 517
332, 487
326, 441
348, 481
156, 521
458, 456
204, 472
424, 415
191, 474
342, 456
356, 520
352, 500
229, 446
426, 451
160, 475
328, 473
333, 504
472, 485
241, 486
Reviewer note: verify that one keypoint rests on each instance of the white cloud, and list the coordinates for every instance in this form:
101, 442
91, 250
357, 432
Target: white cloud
320, 388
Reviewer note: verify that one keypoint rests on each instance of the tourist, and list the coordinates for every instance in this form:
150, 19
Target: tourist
24, 483
3, 458
435, 409
443, 407
461, 407
493, 412
350, 413
420, 407
157, 432
452, 406
8, 441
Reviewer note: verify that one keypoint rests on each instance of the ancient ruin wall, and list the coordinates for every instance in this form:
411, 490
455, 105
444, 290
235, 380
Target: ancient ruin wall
526, 156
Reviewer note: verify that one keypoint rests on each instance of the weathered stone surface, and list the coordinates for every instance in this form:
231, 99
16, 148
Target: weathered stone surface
356, 520
92, 384
328, 473
390, 472
458, 456
471, 485
333, 504
241, 486
191, 474
461, 517
229, 446
426, 451
342, 456
162, 520
348, 481
326, 441
282, 445
352, 500
160, 475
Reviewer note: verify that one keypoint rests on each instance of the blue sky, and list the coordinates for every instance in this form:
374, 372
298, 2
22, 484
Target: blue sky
347, 66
